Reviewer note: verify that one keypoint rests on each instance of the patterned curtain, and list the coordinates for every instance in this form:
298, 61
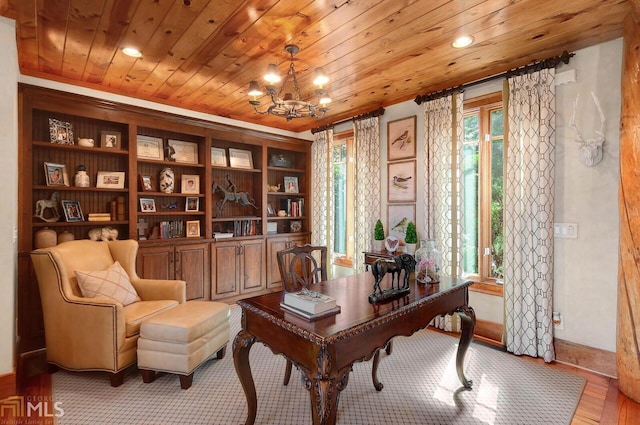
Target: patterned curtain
443, 126
529, 185
367, 186
322, 192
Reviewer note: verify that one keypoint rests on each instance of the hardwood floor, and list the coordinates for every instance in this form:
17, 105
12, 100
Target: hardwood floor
601, 402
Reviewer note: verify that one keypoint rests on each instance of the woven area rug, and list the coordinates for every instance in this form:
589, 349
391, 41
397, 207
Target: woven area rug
420, 387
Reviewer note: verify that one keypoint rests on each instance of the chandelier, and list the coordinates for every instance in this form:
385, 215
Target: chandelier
290, 105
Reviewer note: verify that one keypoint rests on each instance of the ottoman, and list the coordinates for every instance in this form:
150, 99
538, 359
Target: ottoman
182, 338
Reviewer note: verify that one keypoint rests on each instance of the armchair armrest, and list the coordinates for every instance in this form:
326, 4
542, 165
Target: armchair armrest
157, 289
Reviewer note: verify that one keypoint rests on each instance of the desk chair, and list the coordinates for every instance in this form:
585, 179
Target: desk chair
299, 268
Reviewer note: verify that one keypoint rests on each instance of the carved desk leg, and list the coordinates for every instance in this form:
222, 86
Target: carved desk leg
324, 387
468, 317
241, 346
374, 372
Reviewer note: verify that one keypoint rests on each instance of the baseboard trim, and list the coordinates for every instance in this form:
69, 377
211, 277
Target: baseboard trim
489, 330
7, 385
589, 358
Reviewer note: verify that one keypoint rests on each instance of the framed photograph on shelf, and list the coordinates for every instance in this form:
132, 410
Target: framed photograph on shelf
192, 204
147, 205
291, 185
60, 132
271, 212
398, 217
401, 139
149, 147
240, 158
186, 152
146, 183
193, 229
401, 185
110, 139
190, 183
56, 174
72, 211
110, 179
218, 157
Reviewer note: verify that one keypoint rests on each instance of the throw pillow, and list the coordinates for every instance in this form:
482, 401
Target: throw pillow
112, 283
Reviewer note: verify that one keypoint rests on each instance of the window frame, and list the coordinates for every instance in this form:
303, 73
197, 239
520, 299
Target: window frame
482, 106
347, 137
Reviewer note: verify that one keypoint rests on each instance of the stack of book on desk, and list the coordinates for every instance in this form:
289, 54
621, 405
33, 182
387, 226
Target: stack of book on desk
310, 305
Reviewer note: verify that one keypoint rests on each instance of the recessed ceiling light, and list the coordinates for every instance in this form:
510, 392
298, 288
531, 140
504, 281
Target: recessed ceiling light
133, 52
462, 41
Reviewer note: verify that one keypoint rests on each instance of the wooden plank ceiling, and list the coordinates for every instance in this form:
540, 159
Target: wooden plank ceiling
202, 54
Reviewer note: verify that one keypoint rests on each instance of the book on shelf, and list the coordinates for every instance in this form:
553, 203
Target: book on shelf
99, 217
310, 316
293, 206
310, 302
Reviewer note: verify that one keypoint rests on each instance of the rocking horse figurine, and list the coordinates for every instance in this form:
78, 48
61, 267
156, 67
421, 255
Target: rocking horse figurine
231, 194
44, 205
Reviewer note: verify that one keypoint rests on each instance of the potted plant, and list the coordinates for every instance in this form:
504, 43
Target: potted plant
410, 238
378, 236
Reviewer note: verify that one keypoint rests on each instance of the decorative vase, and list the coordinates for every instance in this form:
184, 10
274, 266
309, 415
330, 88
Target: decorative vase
81, 178
45, 238
409, 248
65, 236
167, 180
427, 262
378, 246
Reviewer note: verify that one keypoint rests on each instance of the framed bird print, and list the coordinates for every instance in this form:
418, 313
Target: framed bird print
401, 185
399, 216
401, 139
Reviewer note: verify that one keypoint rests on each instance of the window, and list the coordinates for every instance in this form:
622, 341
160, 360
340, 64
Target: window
342, 162
483, 189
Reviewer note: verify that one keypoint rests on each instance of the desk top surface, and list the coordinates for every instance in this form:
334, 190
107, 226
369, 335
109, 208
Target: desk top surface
351, 294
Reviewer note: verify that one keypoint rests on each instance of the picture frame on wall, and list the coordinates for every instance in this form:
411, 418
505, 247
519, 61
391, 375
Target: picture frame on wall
401, 139
110, 180
190, 183
56, 174
398, 216
72, 211
218, 157
401, 181
110, 139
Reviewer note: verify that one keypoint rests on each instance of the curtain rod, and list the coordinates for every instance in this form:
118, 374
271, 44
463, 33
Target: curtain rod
371, 114
551, 62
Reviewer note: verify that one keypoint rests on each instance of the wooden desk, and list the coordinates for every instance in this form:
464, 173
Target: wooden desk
325, 350
370, 257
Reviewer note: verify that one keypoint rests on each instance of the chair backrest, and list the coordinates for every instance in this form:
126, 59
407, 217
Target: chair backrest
299, 266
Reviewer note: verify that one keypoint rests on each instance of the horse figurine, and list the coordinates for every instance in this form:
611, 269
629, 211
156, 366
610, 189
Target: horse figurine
230, 194
395, 266
43, 205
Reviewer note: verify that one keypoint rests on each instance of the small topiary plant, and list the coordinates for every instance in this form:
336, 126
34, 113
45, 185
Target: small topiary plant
411, 236
378, 231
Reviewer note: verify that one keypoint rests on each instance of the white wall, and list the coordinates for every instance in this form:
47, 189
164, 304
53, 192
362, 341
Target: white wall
8, 209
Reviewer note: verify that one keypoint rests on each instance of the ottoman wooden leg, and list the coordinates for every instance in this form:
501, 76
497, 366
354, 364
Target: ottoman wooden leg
117, 378
221, 352
186, 381
148, 375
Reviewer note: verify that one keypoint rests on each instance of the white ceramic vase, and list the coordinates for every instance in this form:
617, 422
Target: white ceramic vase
167, 180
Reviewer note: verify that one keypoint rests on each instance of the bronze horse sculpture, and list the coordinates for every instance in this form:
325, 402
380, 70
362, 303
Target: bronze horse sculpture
395, 266
241, 198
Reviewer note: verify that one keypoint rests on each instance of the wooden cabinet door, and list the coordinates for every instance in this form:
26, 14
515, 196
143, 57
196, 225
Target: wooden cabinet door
225, 269
253, 267
191, 265
155, 262
274, 245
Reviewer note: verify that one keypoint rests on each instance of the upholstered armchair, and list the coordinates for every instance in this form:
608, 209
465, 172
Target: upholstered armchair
95, 325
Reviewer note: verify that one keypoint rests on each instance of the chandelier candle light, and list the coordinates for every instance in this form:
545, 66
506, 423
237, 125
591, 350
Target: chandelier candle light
290, 105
